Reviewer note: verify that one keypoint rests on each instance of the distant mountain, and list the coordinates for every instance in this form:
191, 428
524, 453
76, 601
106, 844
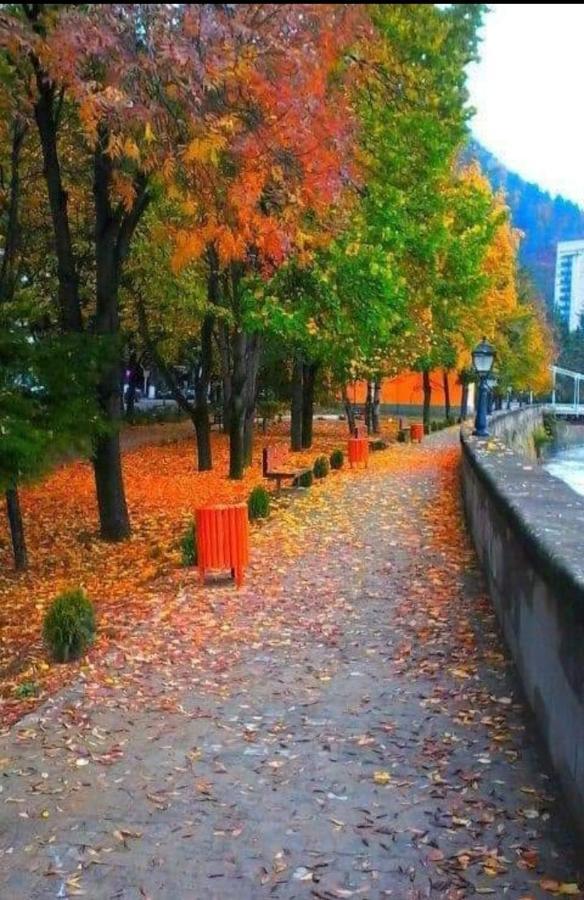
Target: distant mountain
543, 219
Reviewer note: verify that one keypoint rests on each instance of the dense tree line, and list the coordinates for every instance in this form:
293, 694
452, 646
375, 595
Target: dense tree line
252, 188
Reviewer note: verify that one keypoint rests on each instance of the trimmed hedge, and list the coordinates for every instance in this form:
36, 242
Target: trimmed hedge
258, 504
321, 467
336, 460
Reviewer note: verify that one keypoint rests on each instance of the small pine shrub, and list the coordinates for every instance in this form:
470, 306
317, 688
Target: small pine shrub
321, 467
305, 480
258, 504
337, 458
188, 547
26, 689
377, 445
69, 625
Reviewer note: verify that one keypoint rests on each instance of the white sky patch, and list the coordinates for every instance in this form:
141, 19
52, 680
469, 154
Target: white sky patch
528, 90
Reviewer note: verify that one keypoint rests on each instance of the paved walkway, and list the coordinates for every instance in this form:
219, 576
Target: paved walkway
347, 725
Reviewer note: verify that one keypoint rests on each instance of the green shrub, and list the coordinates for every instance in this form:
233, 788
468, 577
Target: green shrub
26, 689
551, 426
157, 415
540, 439
321, 467
258, 504
69, 625
377, 445
188, 546
401, 436
305, 480
337, 458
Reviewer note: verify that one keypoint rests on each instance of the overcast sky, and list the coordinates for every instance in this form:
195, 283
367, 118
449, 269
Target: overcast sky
528, 90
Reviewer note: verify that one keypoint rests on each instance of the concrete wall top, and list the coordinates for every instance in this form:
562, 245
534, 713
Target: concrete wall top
546, 515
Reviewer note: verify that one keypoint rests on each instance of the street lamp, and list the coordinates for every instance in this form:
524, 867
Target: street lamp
483, 357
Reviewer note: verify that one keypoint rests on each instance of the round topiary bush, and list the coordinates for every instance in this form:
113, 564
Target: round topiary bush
337, 458
69, 625
305, 480
321, 467
188, 546
258, 504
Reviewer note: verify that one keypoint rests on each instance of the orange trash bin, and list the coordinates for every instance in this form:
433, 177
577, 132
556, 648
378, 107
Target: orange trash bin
417, 432
222, 539
358, 451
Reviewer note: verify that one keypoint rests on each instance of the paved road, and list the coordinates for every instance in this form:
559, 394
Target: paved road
347, 725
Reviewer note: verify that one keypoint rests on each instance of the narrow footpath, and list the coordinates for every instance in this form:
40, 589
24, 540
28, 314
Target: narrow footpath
346, 725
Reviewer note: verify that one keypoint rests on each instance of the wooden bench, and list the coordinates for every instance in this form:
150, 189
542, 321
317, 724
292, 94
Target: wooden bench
275, 465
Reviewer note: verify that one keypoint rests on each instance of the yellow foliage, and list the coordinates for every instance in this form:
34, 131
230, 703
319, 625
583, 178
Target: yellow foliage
205, 149
131, 149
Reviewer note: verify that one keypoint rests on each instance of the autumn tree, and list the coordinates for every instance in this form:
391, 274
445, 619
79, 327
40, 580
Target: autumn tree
413, 113
127, 97
265, 173
169, 316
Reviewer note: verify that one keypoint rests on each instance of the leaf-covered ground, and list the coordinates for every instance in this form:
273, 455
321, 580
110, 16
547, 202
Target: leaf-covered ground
126, 581
346, 725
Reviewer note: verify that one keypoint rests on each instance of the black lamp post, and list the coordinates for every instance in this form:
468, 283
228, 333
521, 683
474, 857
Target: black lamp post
483, 357
492, 382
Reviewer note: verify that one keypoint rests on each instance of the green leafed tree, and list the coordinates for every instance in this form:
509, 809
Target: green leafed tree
47, 409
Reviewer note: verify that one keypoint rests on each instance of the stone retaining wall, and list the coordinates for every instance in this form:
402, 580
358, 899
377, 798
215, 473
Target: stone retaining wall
528, 530
515, 428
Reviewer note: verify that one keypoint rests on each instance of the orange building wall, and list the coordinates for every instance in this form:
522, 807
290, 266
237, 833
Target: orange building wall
407, 390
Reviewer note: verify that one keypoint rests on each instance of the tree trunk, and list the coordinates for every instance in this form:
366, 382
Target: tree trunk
196, 415
237, 406
369, 407
252, 365
130, 401
201, 415
68, 285
296, 406
427, 399
203, 432
464, 402
350, 412
309, 378
446, 383
376, 406
107, 464
16, 529
224, 356
8, 265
